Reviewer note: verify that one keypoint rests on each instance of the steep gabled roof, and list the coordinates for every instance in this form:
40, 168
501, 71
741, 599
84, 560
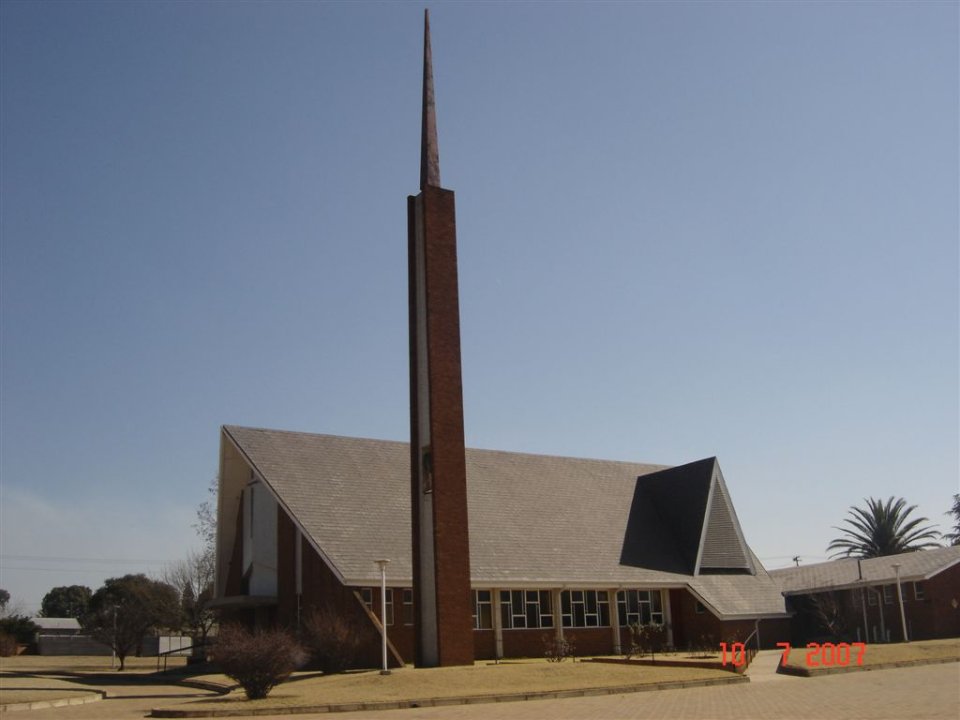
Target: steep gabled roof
844, 573
689, 508
535, 520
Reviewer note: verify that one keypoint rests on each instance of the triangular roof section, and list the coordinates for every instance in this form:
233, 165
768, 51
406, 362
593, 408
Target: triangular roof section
722, 546
687, 508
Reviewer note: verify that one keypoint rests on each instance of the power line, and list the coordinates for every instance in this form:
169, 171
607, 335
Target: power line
113, 560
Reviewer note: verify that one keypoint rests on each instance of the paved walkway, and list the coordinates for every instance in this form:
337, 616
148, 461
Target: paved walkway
764, 667
930, 692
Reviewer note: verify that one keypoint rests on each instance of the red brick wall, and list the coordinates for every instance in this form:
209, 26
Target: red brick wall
692, 629
936, 616
590, 641
525, 643
484, 645
322, 588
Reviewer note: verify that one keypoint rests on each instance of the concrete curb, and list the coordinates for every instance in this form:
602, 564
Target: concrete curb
441, 702
818, 672
77, 699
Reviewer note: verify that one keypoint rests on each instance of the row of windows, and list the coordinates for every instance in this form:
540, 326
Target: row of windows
578, 608
888, 593
406, 610
520, 609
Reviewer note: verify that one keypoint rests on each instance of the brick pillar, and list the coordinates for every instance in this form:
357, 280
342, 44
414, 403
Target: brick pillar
441, 562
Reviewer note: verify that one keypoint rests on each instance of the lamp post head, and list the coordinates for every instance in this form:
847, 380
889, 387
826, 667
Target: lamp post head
382, 563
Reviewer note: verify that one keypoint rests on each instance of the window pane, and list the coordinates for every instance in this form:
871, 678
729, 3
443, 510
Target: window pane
632, 603
591, 598
545, 602
546, 621
645, 614
505, 617
604, 614
655, 600
622, 613
486, 621
483, 595
517, 602
577, 595
579, 618
565, 601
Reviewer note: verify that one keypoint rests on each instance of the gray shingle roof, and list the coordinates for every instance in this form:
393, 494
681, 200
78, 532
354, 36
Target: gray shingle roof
535, 520
915, 566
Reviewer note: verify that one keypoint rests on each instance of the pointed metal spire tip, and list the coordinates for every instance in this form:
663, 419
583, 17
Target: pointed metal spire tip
429, 148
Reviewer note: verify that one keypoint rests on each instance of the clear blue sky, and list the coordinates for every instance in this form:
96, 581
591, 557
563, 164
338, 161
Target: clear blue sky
685, 229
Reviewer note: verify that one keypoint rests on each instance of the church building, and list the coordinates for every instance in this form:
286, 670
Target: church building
491, 554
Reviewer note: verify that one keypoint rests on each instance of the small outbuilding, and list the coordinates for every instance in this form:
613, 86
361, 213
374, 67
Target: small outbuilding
856, 599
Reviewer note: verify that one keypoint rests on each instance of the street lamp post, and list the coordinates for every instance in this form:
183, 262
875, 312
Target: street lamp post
903, 615
383, 613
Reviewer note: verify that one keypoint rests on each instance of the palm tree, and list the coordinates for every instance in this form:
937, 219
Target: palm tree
883, 529
954, 536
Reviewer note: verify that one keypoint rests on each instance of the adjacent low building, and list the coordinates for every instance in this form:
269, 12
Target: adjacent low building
559, 547
857, 599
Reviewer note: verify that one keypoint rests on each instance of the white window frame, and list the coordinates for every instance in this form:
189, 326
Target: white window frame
482, 599
888, 594
918, 592
637, 607
526, 609
578, 607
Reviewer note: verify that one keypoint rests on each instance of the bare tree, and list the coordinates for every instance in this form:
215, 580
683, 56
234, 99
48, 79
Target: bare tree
192, 578
828, 613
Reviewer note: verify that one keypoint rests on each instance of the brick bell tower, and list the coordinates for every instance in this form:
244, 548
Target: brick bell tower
441, 546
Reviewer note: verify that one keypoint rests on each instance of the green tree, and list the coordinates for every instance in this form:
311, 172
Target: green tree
126, 609
954, 536
883, 528
66, 601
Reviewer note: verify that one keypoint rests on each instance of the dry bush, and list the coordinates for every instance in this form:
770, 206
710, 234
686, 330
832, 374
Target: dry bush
8, 645
333, 640
258, 660
558, 650
646, 639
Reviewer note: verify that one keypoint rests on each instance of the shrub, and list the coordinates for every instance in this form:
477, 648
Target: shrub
20, 627
259, 660
333, 640
8, 645
651, 638
557, 650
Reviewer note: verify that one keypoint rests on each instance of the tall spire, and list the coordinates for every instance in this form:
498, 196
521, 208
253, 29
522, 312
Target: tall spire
429, 149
